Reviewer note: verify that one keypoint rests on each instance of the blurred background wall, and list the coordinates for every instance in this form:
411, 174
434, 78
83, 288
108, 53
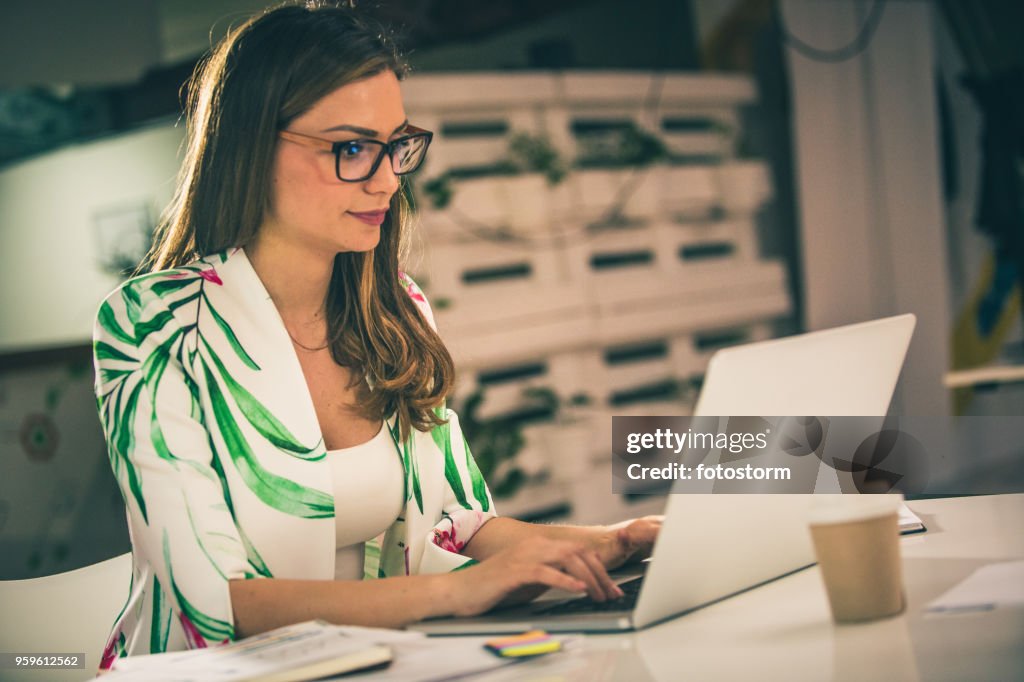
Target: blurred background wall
614, 192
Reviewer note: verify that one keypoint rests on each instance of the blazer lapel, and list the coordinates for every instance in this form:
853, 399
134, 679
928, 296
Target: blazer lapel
278, 421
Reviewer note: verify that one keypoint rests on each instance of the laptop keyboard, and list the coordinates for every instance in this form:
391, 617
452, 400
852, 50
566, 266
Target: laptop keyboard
626, 602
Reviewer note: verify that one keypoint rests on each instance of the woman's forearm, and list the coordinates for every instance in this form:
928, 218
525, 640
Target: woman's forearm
502, 532
267, 603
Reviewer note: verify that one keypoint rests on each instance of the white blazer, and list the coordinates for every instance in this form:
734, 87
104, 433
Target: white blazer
214, 441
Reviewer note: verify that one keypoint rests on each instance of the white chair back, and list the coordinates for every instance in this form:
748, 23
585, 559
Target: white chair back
67, 613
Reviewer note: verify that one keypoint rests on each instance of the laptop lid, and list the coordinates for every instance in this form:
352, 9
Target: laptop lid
712, 546
844, 371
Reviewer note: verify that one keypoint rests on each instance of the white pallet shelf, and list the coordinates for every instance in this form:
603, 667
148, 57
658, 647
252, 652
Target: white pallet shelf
624, 306
588, 499
526, 322
458, 92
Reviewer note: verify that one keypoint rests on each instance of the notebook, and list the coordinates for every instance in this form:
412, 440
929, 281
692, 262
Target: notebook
294, 653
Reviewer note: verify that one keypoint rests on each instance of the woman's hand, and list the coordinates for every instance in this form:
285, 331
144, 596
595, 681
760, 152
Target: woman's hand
631, 540
525, 569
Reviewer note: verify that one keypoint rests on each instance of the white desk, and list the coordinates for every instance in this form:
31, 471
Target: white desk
783, 630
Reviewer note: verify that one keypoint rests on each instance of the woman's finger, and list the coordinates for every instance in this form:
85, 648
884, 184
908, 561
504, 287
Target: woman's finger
569, 557
552, 577
578, 568
608, 586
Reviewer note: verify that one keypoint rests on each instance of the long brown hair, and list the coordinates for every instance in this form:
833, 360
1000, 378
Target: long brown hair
260, 77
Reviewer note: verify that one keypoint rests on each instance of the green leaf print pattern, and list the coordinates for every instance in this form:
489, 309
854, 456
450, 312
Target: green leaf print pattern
253, 557
124, 442
443, 440
160, 627
104, 351
412, 486
132, 305
442, 436
166, 286
209, 627
260, 417
280, 493
175, 290
229, 333
109, 323
479, 486
152, 325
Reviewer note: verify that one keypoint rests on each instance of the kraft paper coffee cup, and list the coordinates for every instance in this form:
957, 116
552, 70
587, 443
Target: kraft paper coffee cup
856, 540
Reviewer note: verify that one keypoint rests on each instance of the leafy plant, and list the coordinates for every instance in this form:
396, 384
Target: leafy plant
438, 191
526, 153
626, 146
629, 146
534, 154
580, 400
495, 442
560, 408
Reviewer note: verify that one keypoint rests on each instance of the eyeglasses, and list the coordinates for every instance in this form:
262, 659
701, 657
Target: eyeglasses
358, 160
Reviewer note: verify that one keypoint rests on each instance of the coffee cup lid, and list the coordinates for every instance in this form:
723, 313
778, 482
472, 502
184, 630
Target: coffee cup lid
852, 507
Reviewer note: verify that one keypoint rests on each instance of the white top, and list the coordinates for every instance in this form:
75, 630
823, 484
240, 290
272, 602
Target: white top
369, 487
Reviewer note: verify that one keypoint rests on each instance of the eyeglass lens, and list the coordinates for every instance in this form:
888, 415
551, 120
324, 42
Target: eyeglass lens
356, 159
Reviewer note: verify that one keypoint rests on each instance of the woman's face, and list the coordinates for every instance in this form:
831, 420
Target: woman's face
310, 207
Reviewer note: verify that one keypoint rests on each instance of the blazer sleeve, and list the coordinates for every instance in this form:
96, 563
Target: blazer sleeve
184, 539
467, 502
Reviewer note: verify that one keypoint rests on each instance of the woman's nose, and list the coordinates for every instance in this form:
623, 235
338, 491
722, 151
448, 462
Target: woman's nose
384, 179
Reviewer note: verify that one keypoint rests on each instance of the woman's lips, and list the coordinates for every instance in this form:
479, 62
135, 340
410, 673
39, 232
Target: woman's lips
370, 217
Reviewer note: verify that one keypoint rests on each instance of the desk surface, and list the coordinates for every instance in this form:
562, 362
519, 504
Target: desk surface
783, 630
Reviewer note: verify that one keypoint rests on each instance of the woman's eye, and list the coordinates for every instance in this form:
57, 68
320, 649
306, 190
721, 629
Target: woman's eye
351, 149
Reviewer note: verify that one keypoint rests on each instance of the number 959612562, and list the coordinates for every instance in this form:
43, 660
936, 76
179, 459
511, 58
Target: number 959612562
42, 661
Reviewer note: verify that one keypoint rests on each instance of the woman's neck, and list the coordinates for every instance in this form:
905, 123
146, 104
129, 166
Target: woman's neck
296, 279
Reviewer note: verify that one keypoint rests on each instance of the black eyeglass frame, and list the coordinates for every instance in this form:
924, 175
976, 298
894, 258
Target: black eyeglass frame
385, 148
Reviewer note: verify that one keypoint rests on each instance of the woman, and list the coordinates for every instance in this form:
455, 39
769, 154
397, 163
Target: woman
273, 391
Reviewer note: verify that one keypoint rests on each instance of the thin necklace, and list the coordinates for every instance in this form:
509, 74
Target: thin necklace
302, 345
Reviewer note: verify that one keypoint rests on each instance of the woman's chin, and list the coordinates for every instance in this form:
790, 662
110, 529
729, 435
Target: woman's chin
361, 245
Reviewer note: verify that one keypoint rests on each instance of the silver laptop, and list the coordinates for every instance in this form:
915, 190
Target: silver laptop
714, 546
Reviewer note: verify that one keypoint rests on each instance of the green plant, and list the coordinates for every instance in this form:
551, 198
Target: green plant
580, 399
438, 191
561, 409
629, 146
526, 153
535, 154
542, 398
494, 441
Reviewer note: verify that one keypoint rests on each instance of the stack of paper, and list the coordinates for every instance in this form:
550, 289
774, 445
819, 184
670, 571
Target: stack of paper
989, 587
908, 521
306, 651
316, 649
